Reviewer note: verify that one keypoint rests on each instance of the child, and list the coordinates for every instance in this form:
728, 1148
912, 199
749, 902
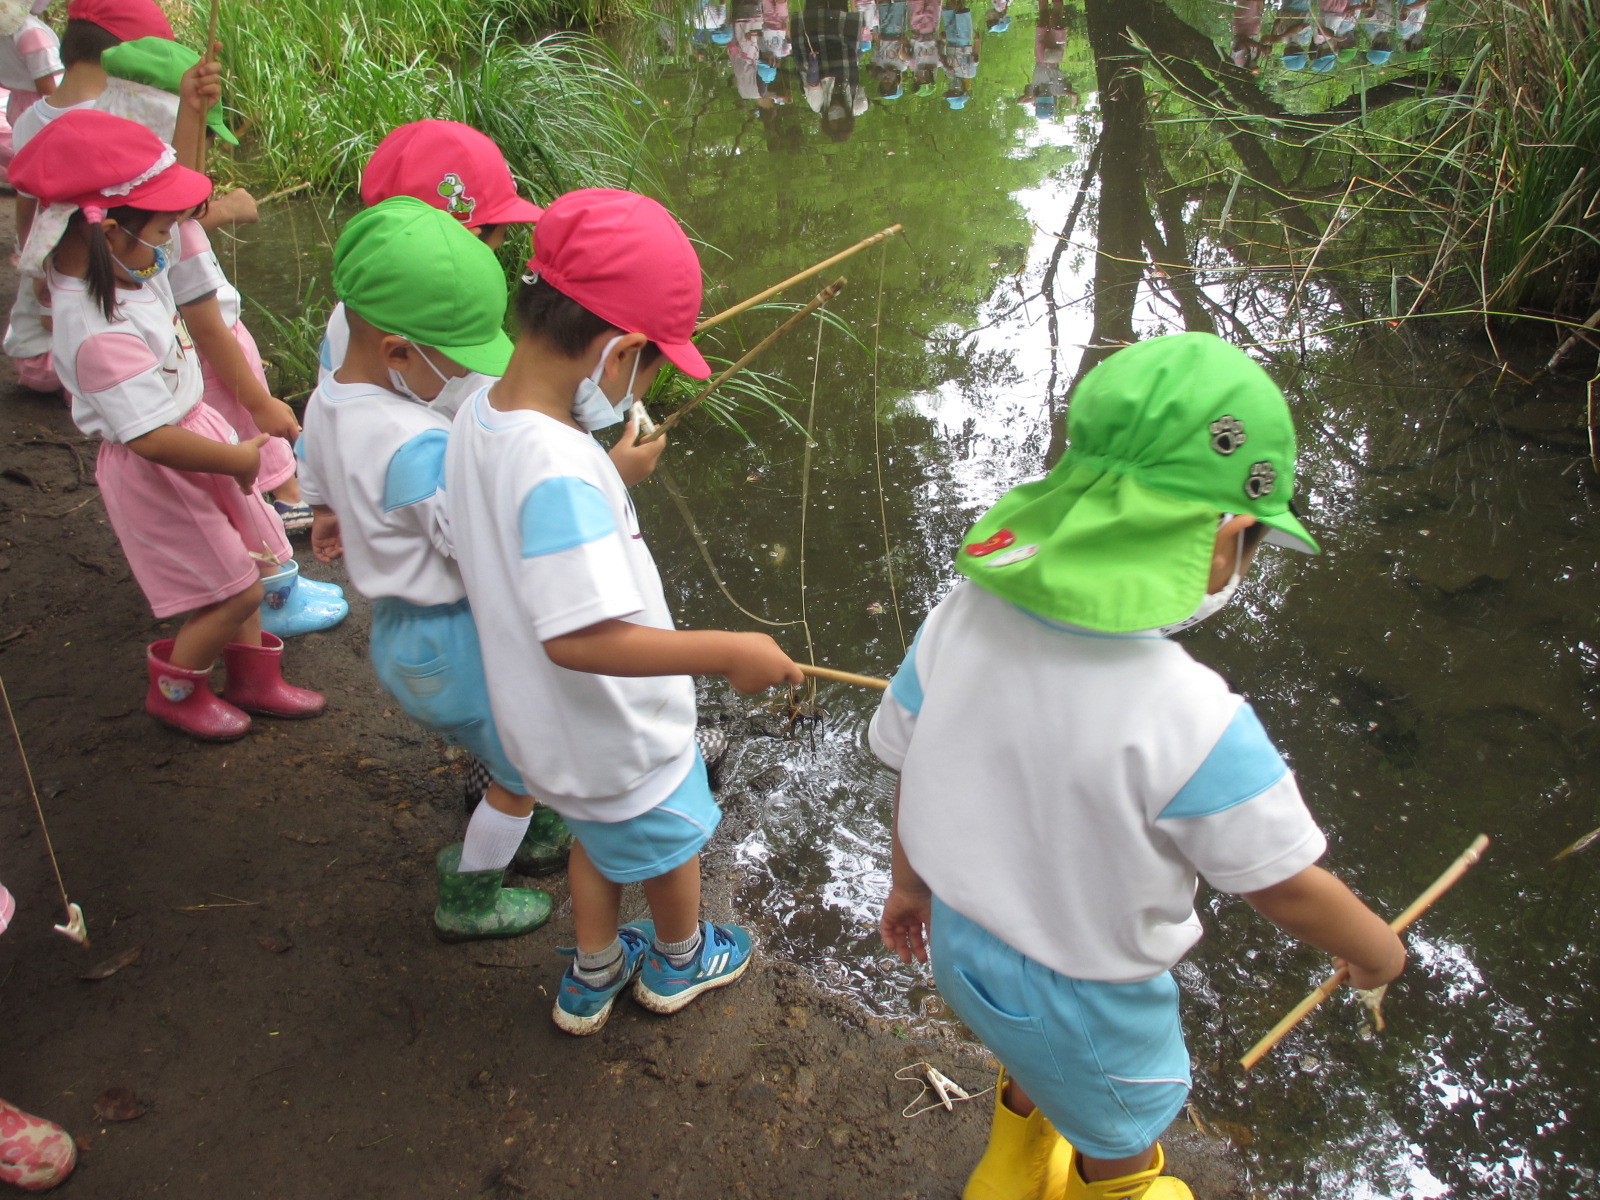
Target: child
30, 60
1048, 84
178, 486
1066, 772
372, 450
589, 680
925, 20
452, 167
891, 56
959, 53
143, 77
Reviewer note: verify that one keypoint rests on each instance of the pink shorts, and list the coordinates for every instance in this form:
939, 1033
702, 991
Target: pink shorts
38, 373
277, 456
187, 535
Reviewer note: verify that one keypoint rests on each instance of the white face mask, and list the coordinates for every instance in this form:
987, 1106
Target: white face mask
591, 407
1213, 602
451, 396
398, 382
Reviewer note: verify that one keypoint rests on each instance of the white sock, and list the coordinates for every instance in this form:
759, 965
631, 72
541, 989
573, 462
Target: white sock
492, 838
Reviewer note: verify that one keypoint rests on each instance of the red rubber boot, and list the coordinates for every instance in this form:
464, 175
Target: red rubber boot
255, 681
182, 697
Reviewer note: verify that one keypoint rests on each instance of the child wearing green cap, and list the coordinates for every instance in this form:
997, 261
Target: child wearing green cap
1068, 772
371, 457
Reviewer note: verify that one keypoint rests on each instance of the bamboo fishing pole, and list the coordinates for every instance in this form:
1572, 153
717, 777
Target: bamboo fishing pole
672, 418
1418, 906
866, 681
794, 279
206, 57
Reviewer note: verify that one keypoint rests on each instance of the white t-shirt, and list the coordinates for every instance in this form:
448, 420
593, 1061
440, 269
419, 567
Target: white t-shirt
127, 376
40, 114
1064, 788
197, 273
335, 343
30, 54
548, 543
377, 460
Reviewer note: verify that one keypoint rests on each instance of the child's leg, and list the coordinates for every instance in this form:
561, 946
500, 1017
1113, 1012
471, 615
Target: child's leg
209, 629
674, 900
1095, 1170
596, 903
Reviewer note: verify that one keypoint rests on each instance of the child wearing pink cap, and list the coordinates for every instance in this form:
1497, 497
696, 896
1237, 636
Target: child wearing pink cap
589, 681
452, 167
179, 487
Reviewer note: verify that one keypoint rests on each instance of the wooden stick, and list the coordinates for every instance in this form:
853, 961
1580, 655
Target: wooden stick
206, 57
866, 681
282, 192
794, 279
672, 418
1329, 985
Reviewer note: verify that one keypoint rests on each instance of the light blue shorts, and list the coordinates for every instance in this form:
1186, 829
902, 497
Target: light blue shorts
428, 659
1105, 1061
654, 842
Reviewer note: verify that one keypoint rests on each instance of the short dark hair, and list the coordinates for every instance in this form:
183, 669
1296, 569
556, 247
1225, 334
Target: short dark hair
84, 41
564, 323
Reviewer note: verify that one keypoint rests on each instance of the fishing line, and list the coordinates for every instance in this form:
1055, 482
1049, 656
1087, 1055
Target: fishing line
877, 451
74, 927
805, 496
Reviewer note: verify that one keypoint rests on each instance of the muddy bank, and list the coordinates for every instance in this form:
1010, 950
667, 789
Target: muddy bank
289, 1026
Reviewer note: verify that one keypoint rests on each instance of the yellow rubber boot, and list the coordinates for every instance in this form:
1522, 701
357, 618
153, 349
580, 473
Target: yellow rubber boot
1026, 1158
1149, 1184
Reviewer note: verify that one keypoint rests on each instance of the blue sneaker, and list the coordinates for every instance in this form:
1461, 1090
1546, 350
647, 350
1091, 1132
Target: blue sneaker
296, 517
581, 1009
725, 952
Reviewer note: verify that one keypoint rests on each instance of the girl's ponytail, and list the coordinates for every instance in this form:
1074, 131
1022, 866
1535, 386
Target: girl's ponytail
101, 276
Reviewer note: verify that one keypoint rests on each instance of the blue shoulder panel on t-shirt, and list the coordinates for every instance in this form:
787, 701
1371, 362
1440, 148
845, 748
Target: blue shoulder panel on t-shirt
416, 470
325, 353
300, 449
562, 513
1243, 764
906, 686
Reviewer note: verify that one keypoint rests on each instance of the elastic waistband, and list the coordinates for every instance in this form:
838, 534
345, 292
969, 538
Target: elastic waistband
395, 609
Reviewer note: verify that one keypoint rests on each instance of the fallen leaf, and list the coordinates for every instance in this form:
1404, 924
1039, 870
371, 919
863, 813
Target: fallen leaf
111, 966
275, 943
118, 1104
307, 839
1581, 844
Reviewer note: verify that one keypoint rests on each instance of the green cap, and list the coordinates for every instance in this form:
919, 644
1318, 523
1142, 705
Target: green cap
414, 270
1165, 436
160, 63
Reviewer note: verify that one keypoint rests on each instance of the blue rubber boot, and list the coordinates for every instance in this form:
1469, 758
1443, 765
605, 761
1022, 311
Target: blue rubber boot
321, 589
291, 608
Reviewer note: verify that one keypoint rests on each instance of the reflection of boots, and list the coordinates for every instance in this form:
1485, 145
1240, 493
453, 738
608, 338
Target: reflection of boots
182, 697
35, 1154
291, 608
1026, 1158
473, 905
1149, 1184
255, 681
545, 846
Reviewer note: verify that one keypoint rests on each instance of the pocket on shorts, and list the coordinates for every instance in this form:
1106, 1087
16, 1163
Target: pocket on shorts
1017, 1039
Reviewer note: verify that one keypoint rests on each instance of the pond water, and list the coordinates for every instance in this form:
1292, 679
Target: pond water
1433, 674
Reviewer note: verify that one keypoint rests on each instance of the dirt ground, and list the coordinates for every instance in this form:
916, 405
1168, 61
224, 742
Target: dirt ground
285, 1021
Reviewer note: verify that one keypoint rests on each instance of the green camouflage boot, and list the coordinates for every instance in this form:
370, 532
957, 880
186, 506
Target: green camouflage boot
473, 905
546, 844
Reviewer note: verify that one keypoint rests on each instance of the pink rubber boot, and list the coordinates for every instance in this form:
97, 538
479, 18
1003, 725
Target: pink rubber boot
183, 698
35, 1154
255, 681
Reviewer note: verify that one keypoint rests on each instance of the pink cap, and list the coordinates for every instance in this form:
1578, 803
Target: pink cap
95, 161
126, 20
623, 257
450, 166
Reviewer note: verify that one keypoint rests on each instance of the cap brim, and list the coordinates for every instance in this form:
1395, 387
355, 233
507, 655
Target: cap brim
1285, 531
175, 189
515, 211
486, 358
687, 359
219, 127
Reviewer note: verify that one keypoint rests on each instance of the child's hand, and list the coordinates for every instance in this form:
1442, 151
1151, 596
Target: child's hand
904, 924
276, 419
249, 463
326, 541
634, 463
235, 206
1368, 977
756, 662
201, 85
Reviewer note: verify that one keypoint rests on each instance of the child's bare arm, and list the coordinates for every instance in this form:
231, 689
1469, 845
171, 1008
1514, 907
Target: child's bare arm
751, 662
634, 463
235, 206
908, 911
45, 85
185, 450
198, 90
220, 348
1319, 909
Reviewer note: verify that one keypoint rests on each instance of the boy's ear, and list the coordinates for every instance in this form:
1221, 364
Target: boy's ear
396, 350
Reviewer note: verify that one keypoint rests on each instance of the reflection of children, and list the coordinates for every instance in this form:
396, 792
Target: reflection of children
998, 18
1068, 773
827, 40
178, 486
925, 18
1247, 47
372, 453
959, 52
589, 679
1048, 85
891, 56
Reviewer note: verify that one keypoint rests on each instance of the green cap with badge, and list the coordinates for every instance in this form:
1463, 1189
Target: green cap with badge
1165, 437
412, 269
160, 63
